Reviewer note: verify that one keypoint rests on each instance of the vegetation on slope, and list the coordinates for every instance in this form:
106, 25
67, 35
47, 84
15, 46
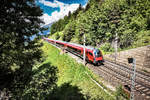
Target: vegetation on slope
74, 75
60, 77
102, 19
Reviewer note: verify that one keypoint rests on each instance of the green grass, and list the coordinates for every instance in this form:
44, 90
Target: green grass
69, 71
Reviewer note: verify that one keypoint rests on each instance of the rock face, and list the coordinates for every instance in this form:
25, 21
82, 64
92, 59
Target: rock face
141, 54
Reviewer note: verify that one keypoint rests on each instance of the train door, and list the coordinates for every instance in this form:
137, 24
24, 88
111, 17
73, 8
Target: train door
90, 56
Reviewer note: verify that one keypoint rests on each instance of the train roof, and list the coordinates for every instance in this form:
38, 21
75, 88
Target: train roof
87, 47
75, 44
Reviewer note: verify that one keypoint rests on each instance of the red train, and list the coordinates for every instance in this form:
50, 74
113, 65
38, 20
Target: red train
92, 54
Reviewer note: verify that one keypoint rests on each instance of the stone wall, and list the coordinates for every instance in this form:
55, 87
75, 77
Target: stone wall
141, 54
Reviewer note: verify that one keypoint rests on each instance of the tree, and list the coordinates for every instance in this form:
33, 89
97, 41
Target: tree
19, 21
42, 83
69, 31
102, 20
87, 7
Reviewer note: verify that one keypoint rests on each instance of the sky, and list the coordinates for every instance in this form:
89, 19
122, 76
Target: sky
53, 10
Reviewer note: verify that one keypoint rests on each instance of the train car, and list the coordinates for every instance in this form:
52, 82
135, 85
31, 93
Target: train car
92, 54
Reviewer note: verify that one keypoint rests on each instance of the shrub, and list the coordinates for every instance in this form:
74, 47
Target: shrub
107, 47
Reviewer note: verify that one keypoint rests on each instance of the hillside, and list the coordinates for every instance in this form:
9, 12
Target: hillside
102, 20
72, 81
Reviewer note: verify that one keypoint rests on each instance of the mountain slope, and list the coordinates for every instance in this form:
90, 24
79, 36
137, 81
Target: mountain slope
101, 20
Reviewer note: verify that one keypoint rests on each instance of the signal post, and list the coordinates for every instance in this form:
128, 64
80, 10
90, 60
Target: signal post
133, 61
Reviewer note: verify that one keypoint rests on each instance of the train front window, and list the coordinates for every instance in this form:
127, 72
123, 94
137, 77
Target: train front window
97, 53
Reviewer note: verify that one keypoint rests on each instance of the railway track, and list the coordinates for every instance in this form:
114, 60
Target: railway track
142, 82
120, 74
116, 74
139, 74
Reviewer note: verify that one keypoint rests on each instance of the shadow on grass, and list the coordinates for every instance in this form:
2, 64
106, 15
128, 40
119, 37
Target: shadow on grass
42, 85
66, 92
48, 65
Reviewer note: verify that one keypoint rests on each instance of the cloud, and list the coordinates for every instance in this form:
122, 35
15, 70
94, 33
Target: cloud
55, 16
84, 6
46, 18
47, 3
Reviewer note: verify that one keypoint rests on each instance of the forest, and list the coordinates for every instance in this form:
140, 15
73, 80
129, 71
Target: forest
101, 20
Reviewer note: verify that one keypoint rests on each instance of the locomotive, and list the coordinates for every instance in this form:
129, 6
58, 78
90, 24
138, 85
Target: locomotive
93, 55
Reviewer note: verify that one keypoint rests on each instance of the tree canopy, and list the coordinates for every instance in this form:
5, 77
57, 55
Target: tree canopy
20, 19
100, 20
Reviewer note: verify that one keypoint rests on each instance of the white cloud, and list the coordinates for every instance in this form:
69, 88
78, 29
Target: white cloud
59, 3
47, 3
84, 6
55, 16
46, 18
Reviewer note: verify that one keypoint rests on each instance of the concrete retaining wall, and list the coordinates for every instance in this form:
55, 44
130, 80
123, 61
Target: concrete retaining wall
141, 54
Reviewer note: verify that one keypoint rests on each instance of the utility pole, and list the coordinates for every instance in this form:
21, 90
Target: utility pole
116, 46
84, 50
133, 61
115, 19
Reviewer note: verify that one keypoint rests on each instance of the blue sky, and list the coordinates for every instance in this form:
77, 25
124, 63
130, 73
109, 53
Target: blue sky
53, 10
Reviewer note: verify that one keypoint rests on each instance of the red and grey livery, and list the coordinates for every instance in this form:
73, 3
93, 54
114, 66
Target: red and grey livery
92, 54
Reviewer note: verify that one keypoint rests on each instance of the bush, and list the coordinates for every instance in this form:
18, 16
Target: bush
42, 84
107, 47
120, 94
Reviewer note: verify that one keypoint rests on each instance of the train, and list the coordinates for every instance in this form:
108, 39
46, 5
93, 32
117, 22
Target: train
93, 55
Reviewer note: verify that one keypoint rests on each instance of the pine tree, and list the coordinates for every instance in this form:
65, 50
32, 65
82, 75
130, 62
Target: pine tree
19, 21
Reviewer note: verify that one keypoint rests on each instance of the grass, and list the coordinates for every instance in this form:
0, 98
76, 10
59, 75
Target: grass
69, 71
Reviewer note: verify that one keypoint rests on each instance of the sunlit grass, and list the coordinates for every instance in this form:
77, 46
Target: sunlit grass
72, 72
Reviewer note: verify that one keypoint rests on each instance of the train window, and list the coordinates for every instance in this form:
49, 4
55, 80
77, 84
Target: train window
61, 45
90, 53
69, 48
78, 51
72, 49
97, 53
